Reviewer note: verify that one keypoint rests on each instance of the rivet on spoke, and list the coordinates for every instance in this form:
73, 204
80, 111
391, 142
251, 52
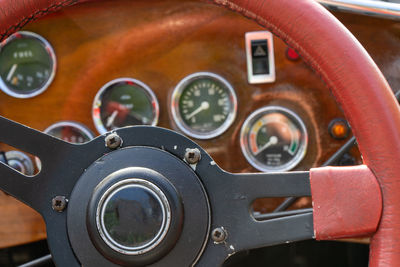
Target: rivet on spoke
219, 235
192, 156
113, 141
59, 203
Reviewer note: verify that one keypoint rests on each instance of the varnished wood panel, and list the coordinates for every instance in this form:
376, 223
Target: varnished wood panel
19, 224
160, 42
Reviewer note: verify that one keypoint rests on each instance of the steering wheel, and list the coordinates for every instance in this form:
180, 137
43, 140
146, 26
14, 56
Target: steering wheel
150, 196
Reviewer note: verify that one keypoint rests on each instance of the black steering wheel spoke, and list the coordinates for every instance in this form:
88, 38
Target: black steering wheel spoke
246, 234
30, 140
262, 185
61, 164
31, 190
231, 198
16, 184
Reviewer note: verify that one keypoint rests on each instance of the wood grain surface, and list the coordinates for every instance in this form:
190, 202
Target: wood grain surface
161, 42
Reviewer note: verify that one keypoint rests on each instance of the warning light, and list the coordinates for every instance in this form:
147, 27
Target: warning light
291, 54
339, 129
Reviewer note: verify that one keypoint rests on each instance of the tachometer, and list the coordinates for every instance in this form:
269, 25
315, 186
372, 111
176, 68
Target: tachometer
27, 65
274, 139
204, 105
124, 102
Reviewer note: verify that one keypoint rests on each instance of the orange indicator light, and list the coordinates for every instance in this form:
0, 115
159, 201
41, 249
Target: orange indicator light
339, 129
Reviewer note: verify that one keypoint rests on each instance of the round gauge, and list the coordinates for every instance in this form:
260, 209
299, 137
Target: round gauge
124, 102
274, 139
204, 105
71, 132
27, 65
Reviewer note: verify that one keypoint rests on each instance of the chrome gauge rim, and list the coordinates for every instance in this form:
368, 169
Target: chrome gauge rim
166, 215
177, 93
97, 102
26, 34
249, 123
72, 124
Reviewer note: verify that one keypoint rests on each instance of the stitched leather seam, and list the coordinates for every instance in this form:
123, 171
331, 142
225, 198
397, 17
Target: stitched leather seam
35, 16
284, 37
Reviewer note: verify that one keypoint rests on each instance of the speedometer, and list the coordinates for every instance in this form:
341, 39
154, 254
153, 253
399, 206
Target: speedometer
204, 105
274, 139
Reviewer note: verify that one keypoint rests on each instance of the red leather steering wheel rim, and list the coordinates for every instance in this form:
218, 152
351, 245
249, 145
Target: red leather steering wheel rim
343, 64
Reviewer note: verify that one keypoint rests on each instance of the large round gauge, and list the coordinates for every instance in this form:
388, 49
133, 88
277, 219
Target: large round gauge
124, 102
69, 131
204, 105
27, 65
274, 139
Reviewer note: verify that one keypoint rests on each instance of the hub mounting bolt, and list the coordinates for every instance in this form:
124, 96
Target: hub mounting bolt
192, 155
59, 203
113, 141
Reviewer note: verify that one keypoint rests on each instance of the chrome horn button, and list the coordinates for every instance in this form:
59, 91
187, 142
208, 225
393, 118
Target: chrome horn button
133, 216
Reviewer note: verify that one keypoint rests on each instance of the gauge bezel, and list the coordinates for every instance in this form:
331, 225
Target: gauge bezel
249, 122
73, 124
146, 89
177, 115
26, 34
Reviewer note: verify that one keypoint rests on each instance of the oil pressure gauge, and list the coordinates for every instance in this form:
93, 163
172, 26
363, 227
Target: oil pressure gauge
124, 102
274, 139
27, 65
204, 105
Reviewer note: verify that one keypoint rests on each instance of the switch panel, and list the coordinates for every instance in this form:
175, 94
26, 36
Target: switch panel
260, 57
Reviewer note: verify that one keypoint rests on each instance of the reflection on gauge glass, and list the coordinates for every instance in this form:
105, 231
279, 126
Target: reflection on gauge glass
27, 65
124, 102
274, 139
204, 105
72, 132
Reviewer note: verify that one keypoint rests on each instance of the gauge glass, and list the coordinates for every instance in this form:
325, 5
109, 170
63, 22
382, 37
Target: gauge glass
27, 65
71, 132
274, 139
124, 102
204, 105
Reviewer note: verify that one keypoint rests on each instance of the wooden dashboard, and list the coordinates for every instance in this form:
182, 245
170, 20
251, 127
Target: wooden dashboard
160, 42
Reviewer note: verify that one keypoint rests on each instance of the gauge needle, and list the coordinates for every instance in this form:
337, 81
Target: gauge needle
11, 72
111, 119
273, 140
204, 106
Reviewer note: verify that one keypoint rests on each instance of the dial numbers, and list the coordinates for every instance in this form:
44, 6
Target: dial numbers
204, 105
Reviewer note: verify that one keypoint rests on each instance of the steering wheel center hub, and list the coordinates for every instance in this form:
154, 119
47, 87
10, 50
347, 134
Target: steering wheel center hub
138, 206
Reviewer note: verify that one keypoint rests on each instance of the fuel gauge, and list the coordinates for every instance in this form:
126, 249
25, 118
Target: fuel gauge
27, 65
124, 102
